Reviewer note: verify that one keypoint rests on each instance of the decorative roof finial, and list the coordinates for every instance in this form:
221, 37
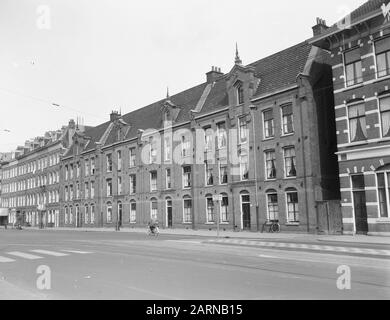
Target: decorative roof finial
167, 93
237, 59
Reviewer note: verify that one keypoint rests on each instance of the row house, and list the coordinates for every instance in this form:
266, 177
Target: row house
241, 149
359, 50
31, 179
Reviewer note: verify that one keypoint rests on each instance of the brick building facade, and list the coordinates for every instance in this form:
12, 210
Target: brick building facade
31, 179
359, 51
261, 137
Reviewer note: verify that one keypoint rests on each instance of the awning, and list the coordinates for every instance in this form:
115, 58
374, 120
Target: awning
3, 212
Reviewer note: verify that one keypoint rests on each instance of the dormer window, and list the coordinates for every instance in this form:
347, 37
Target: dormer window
240, 94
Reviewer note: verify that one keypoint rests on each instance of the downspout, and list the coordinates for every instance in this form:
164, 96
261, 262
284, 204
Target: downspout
253, 108
303, 100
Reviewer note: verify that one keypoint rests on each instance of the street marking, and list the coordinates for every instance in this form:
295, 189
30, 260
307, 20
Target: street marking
265, 256
50, 253
4, 259
24, 255
185, 241
76, 251
303, 246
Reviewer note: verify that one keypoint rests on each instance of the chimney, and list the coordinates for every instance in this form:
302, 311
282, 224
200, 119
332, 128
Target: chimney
213, 74
114, 115
320, 27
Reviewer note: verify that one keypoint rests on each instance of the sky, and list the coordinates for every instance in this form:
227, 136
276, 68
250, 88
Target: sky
81, 59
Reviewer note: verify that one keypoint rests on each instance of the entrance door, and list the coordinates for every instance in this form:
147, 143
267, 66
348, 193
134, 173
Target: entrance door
359, 199
169, 213
246, 212
120, 215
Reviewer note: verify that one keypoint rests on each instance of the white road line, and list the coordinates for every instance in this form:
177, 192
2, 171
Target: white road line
50, 253
76, 251
24, 255
4, 259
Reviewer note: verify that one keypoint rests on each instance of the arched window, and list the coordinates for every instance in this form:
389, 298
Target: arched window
86, 214
70, 215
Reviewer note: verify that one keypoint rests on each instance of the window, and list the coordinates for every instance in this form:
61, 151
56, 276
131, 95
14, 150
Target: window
71, 215
168, 178
290, 162
109, 162
66, 194
268, 124
382, 50
92, 189
222, 135
270, 167
71, 171
223, 173
224, 208
153, 181
240, 94
209, 174
78, 169
243, 130
109, 212
66, 215
287, 119
153, 150
187, 207
292, 206
357, 122
208, 139
119, 159
93, 166
66, 172
119, 185
92, 214
185, 146
109, 187
272, 206
86, 216
353, 67
86, 190
383, 180
210, 209
244, 167
133, 212
77, 190
132, 157
71, 192
385, 116
167, 148
153, 209
187, 177
86, 167
133, 183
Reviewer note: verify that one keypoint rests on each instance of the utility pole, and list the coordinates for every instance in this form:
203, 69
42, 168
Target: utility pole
253, 108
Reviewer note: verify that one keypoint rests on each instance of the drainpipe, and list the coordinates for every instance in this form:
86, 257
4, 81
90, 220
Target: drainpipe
253, 108
303, 100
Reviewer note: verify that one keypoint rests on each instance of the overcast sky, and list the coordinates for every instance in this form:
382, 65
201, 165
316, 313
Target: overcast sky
94, 56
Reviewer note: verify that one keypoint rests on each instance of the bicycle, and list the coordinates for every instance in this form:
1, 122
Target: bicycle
274, 226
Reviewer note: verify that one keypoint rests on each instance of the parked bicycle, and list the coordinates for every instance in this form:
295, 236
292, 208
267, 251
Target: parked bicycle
273, 226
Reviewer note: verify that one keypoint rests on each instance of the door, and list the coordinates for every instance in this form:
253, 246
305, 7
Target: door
246, 212
120, 215
359, 200
169, 213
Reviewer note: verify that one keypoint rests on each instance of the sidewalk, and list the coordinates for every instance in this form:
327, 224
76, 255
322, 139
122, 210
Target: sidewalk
242, 235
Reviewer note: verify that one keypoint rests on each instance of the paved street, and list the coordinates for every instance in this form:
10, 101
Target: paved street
132, 265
